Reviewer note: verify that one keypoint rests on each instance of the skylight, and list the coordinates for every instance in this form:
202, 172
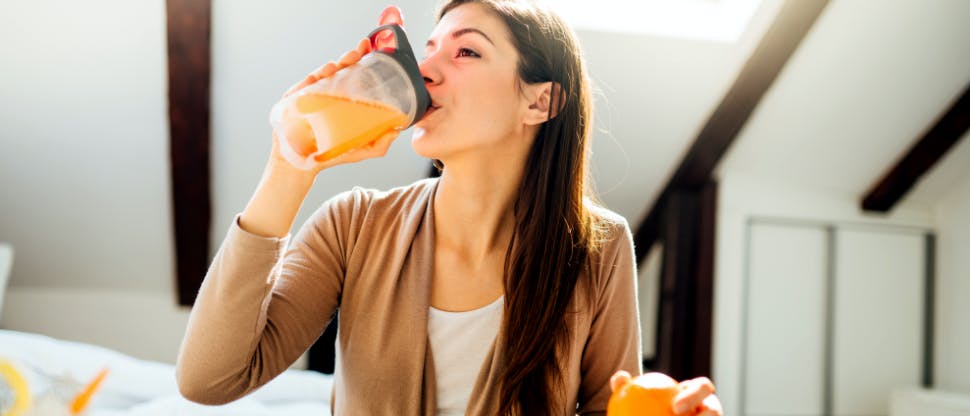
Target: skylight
712, 20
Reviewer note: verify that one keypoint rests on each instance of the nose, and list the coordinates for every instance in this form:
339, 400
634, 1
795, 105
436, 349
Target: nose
430, 71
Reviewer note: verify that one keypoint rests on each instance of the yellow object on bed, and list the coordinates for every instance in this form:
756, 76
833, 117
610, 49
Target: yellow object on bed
65, 396
14, 394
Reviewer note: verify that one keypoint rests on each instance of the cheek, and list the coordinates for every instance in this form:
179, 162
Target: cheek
494, 104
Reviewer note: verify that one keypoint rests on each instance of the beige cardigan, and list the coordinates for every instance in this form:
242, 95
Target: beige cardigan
370, 253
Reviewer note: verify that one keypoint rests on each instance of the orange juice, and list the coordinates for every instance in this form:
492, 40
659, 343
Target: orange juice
328, 125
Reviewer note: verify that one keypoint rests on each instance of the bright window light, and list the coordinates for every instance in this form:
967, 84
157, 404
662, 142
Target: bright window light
713, 20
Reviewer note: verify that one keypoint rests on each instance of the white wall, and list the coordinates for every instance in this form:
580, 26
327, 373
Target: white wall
740, 198
952, 366
83, 165
142, 324
84, 173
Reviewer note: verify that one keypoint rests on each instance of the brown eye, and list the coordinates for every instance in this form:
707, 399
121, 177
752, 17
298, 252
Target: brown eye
462, 52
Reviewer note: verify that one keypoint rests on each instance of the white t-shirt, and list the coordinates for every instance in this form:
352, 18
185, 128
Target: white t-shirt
459, 343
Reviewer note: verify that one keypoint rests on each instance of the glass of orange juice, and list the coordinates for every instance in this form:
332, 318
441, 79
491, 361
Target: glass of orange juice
382, 92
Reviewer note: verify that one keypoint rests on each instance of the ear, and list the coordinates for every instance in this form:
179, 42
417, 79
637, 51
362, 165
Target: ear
540, 97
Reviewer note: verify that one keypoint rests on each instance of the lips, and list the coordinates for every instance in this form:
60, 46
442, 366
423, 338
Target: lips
431, 108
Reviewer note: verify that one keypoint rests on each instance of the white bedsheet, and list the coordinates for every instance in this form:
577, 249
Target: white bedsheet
146, 388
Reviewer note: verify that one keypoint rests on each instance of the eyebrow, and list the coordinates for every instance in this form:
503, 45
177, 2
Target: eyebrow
461, 32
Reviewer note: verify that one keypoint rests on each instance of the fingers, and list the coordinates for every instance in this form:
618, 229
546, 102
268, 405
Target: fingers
323, 71
693, 393
353, 56
391, 15
619, 379
711, 407
296, 87
381, 145
374, 149
363, 47
326, 70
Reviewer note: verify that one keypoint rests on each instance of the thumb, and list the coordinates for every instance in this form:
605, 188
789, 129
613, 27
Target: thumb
384, 142
619, 379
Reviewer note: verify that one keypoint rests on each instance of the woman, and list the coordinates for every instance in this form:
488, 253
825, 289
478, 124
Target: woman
496, 289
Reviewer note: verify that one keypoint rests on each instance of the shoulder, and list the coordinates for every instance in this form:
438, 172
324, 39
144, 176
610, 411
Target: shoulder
614, 229
614, 254
359, 214
359, 200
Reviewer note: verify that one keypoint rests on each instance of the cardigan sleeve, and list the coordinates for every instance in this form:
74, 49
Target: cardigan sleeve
263, 302
614, 337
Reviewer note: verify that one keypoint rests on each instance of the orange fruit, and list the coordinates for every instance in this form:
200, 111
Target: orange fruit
650, 394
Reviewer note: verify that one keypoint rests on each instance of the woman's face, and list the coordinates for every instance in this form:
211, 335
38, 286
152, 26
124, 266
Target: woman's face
470, 70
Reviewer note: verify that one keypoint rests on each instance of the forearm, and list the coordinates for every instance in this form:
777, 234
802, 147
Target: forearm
214, 363
278, 197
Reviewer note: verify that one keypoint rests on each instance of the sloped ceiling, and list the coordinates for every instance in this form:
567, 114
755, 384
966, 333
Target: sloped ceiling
868, 79
653, 96
864, 85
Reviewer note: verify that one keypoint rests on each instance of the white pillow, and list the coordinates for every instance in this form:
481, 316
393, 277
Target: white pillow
6, 264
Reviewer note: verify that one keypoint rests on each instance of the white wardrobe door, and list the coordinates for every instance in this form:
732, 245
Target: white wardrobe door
648, 292
784, 365
878, 318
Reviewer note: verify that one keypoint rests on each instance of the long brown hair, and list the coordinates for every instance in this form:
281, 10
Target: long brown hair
555, 233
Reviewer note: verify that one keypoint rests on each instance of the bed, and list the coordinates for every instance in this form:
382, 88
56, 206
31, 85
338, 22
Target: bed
55, 371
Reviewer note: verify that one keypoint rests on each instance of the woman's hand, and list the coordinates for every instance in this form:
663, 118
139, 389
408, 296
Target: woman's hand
696, 397
376, 148
283, 187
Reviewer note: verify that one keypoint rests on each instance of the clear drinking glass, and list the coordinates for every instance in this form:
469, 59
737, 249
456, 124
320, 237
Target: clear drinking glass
358, 104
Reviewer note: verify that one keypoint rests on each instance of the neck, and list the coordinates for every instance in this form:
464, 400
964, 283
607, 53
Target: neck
474, 208
475, 200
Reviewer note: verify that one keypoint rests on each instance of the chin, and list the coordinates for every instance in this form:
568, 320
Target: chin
422, 143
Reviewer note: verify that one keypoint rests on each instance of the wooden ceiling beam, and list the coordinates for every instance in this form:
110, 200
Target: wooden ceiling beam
921, 157
188, 24
790, 26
